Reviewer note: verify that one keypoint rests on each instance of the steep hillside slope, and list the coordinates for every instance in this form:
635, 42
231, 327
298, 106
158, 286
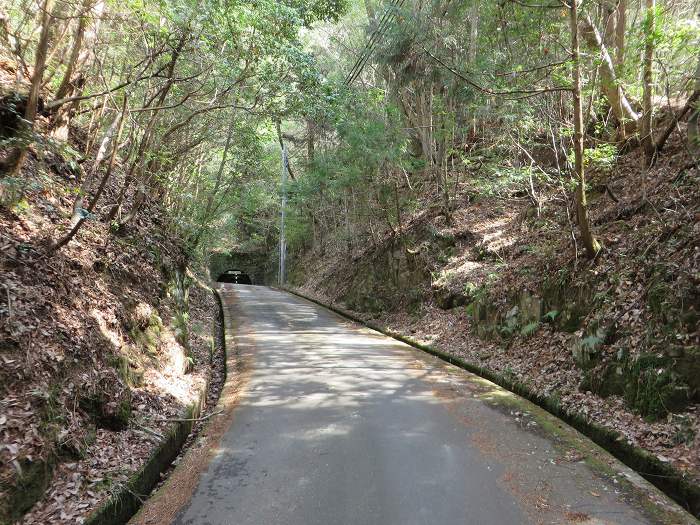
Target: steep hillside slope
506, 287
101, 342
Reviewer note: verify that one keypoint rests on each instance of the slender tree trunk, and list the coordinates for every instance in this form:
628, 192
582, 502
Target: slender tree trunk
100, 189
446, 194
17, 158
94, 126
89, 179
592, 246
610, 84
217, 184
112, 158
64, 87
620, 28
137, 167
473, 30
692, 106
694, 118
609, 8
646, 129
369, 9
61, 120
137, 175
473, 46
310, 140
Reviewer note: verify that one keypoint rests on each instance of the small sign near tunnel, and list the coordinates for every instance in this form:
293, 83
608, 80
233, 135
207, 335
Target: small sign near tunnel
235, 277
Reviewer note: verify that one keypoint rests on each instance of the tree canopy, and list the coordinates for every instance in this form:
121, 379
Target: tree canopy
380, 103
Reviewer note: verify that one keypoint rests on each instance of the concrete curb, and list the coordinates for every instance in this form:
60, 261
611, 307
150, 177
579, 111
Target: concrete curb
663, 476
121, 506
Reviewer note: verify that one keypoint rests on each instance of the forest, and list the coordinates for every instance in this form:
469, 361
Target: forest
512, 181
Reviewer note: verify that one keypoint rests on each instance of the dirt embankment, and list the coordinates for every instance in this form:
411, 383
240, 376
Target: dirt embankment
99, 347
506, 286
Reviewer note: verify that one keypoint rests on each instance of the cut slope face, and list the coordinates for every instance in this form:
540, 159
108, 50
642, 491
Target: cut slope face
505, 287
98, 349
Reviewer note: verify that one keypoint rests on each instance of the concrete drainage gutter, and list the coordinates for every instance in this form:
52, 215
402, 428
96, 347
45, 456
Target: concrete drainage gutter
660, 474
123, 504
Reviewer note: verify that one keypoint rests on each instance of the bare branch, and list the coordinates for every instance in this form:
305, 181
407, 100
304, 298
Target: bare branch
527, 92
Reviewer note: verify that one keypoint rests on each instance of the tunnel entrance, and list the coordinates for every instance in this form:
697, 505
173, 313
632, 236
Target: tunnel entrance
234, 276
260, 265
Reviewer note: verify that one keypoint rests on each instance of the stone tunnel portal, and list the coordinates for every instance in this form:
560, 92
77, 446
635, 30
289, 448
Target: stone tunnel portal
234, 276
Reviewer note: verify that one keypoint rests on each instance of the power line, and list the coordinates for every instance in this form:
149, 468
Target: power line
371, 43
366, 52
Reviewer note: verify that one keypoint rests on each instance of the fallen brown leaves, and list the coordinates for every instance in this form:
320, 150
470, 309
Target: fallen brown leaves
65, 334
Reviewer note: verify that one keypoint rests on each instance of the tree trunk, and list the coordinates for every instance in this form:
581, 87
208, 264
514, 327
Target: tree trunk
446, 195
89, 179
61, 120
19, 155
609, 8
625, 115
96, 113
592, 246
60, 123
310, 141
112, 158
217, 184
646, 130
620, 27
136, 171
371, 14
473, 30
100, 189
64, 87
694, 118
691, 105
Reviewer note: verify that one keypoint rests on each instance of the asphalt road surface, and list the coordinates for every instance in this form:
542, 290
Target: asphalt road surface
338, 424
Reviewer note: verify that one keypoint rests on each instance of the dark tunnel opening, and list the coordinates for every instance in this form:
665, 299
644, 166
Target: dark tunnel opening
235, 277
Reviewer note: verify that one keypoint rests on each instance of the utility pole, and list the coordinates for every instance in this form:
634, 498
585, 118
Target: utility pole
283, 242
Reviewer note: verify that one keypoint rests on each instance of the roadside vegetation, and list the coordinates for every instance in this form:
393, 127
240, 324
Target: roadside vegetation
515, 181
131, 135
517, 184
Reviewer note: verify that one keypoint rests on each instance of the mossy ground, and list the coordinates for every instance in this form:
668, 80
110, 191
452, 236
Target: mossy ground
564, 438
27, 489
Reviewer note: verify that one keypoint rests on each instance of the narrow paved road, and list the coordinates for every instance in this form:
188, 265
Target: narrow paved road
340, 425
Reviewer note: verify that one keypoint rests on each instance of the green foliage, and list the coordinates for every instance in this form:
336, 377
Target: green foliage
551, 316
476, 294
503, 180
654, 388
529, 329
239, 63
21, 207
181, 325
591, 342
13, 192
368, 141
602, 156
